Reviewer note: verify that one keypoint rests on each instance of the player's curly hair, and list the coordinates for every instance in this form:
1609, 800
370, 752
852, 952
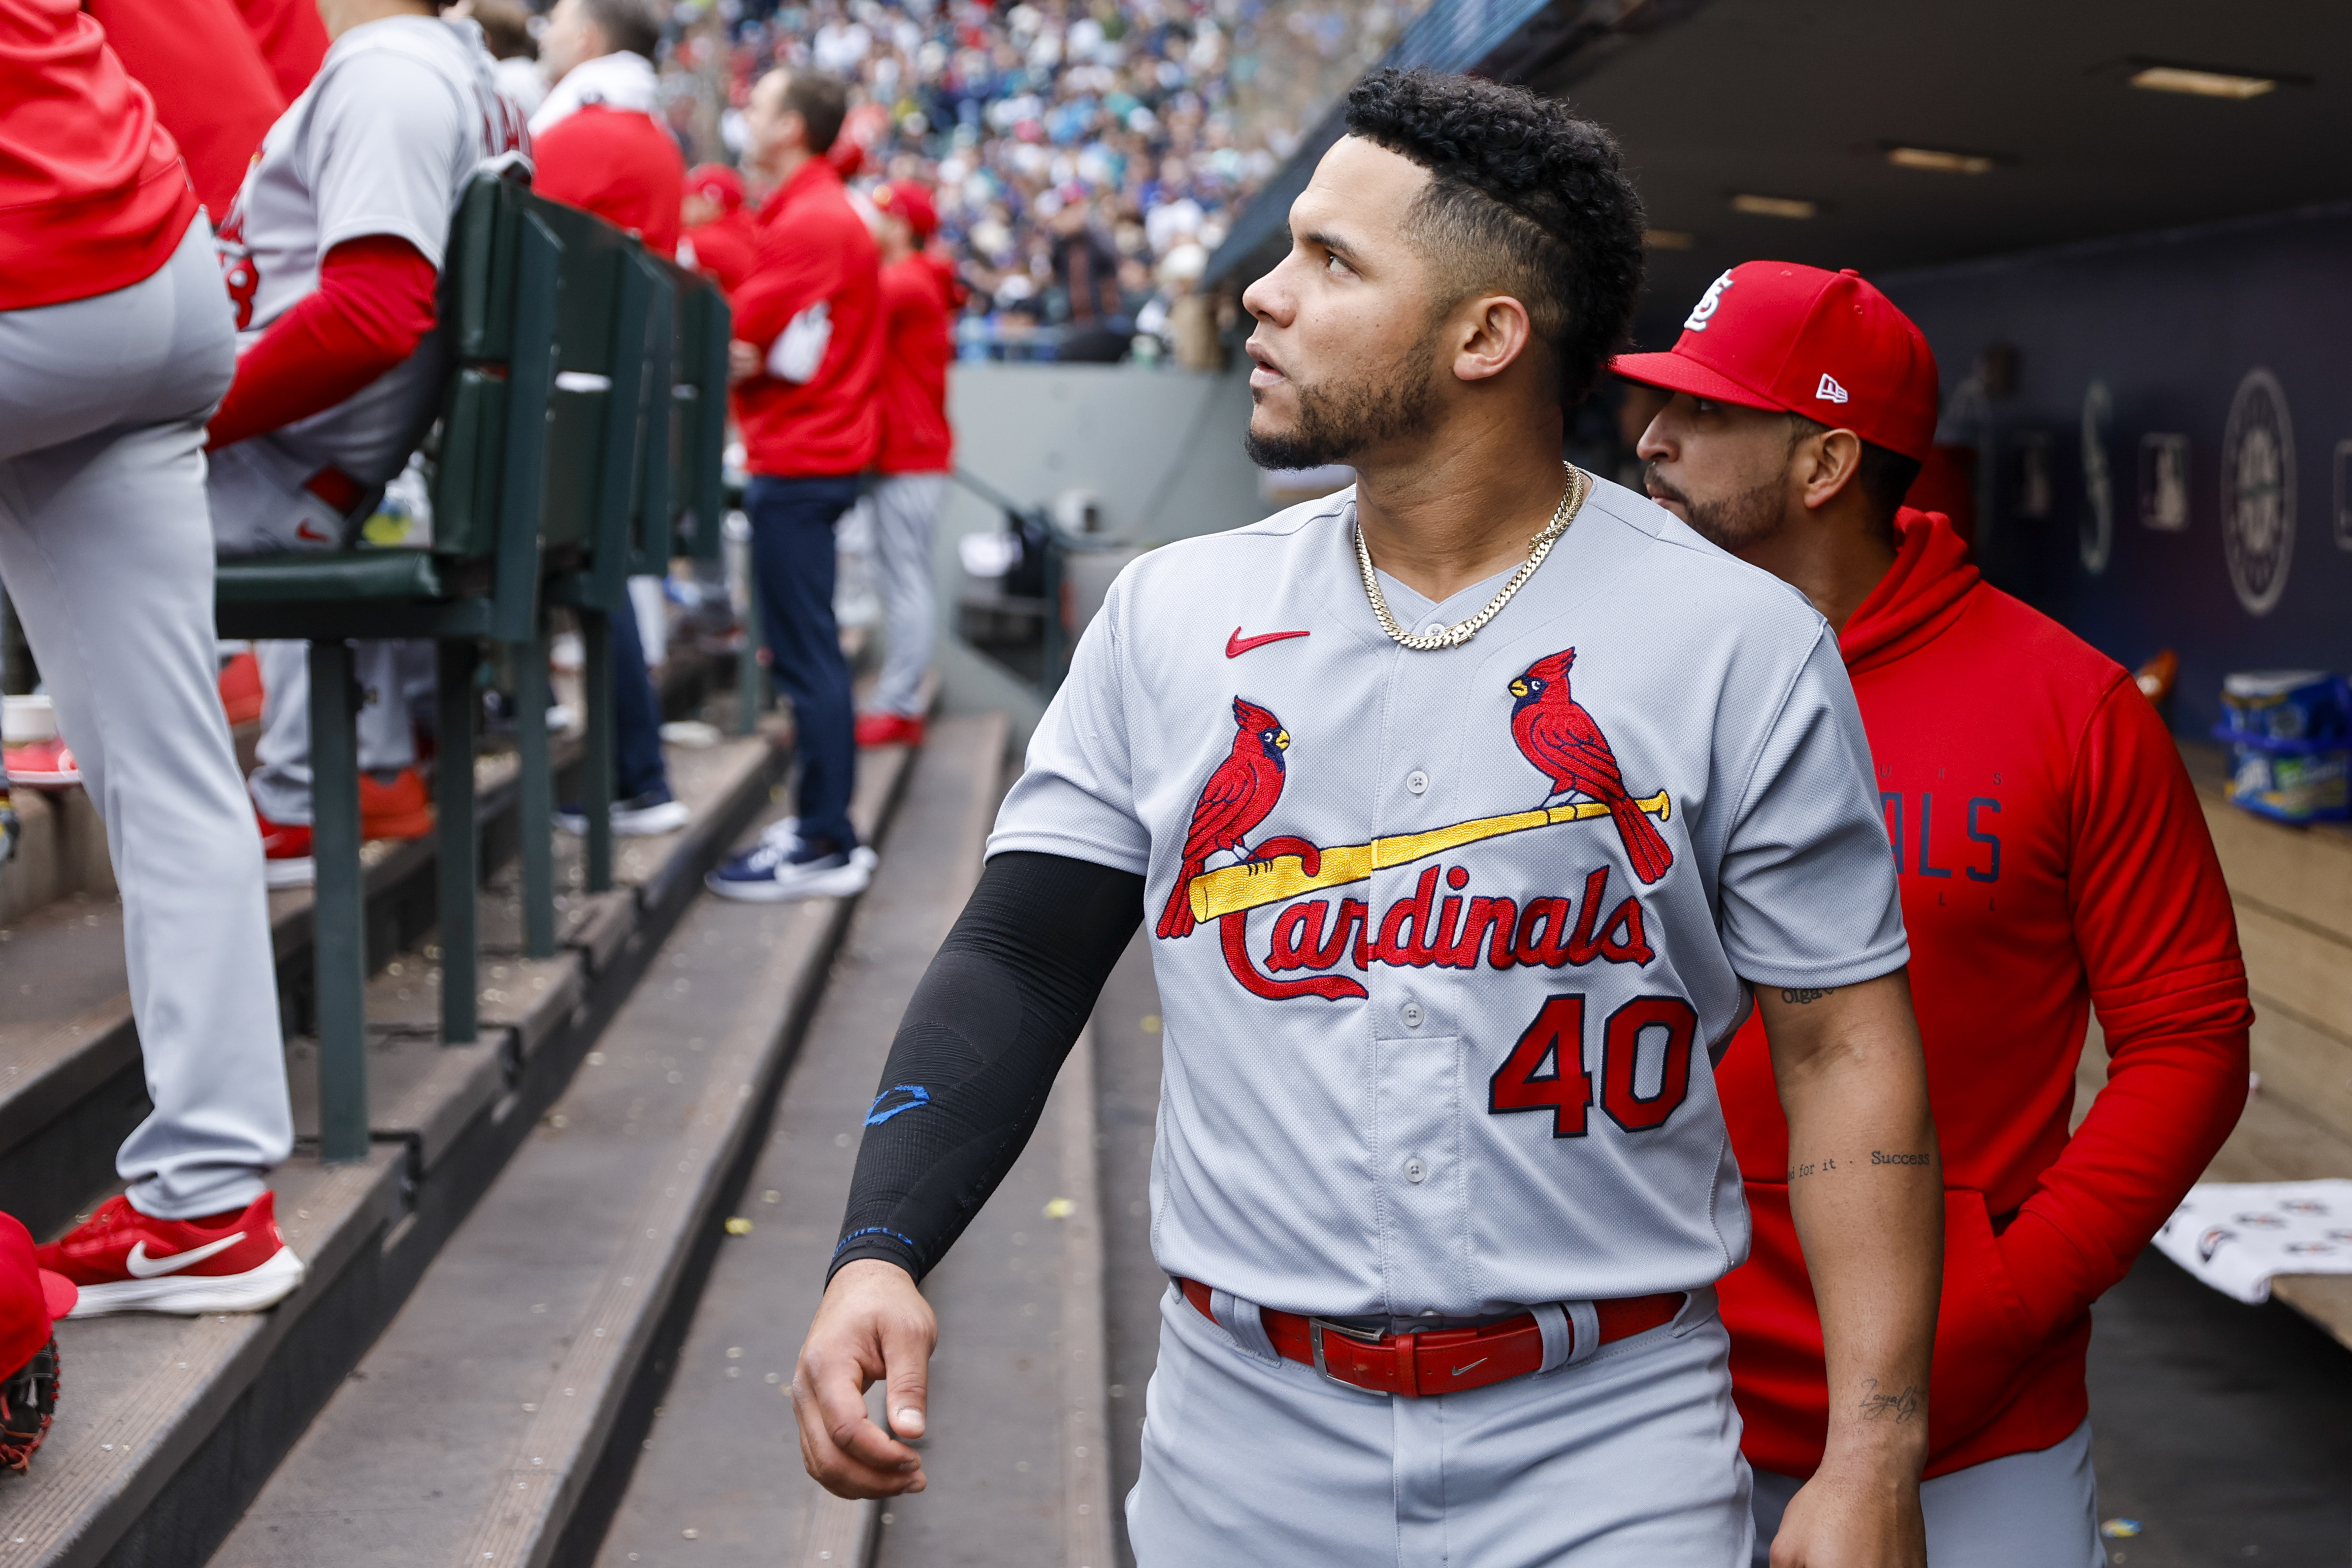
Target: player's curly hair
1523, 196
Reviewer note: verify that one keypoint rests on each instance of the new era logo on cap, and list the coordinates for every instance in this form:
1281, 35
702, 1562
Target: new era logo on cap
1767, 352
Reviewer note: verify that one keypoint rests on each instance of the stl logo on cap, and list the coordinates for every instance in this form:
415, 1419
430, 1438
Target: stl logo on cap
1707, 304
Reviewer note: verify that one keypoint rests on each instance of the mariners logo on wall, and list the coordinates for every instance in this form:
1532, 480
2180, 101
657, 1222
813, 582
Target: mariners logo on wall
2098, 530
2258, 492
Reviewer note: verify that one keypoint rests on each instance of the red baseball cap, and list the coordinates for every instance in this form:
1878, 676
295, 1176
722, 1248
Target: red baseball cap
1773, 334
718, 183
910, 200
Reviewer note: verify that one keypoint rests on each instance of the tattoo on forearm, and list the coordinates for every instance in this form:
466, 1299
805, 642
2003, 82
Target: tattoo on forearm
1806, 998
1877, 1405
1880, 1157
1798, 1173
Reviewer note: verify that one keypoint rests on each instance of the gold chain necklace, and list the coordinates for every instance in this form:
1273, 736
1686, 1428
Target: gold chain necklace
1571, 502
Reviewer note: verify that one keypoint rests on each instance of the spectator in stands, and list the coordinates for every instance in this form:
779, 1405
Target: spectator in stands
333, 254
719, 232
114, 344
808, 348
595, 141
2054, 860
918, 450
1086, 269
596, 146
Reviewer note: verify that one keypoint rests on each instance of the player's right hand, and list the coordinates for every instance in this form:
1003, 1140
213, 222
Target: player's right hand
873, 1325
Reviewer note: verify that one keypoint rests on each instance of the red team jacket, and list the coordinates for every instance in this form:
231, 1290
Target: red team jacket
813, 252
617, 163
93, 193
2053, 859
916, 348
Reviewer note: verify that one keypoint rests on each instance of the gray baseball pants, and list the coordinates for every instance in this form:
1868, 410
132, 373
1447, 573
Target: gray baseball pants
105, 549
2020, 1511
1628, 1460
905, 510
259, 508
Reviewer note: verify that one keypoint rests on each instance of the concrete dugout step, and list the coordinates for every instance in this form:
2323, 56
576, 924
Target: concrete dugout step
472, 1430
166, 1425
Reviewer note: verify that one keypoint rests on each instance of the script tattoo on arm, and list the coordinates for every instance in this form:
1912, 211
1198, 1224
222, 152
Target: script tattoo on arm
1877, 1405
1806, 998
1880, 1157
1798, 1173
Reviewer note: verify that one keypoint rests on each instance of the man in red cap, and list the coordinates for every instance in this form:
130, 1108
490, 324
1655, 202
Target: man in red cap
719, 232
917, 449
2052, 858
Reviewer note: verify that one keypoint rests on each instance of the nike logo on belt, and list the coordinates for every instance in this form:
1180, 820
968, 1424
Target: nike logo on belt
1238, 644
1458, 1370
142, 1266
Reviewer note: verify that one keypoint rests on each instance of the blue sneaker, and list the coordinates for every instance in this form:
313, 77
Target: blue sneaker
788, 867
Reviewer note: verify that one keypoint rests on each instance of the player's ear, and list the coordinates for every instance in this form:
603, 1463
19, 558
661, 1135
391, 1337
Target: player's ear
1492, 334
1826, 463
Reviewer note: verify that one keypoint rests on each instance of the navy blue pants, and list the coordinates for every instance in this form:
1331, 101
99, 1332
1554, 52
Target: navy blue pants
636, 712
792, 560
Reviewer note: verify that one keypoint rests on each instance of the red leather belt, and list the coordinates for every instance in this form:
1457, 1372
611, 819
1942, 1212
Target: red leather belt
1445, 1361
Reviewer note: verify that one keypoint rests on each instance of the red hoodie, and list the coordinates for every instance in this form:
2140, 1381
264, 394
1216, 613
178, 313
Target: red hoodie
2053, 859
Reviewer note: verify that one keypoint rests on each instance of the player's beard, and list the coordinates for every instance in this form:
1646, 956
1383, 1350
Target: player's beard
1336, 423
1731, 522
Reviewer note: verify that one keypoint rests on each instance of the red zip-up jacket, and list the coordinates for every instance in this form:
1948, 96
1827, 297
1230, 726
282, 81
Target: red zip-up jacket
2053, 859
814, 262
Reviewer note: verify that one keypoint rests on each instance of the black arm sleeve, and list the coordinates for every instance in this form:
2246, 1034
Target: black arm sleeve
988, 1028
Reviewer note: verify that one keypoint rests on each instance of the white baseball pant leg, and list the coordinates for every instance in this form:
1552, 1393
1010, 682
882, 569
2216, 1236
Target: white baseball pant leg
105, 549
2021, 1511
1628, 1460
906, 514
259, 508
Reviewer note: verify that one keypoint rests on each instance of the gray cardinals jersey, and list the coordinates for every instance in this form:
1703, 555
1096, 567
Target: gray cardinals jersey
383, 140
1445, 940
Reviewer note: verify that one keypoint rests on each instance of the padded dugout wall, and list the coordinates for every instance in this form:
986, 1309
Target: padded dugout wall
2227, 349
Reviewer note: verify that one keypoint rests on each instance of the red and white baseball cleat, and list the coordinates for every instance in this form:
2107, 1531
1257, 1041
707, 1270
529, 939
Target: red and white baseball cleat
125, 1261
286, 852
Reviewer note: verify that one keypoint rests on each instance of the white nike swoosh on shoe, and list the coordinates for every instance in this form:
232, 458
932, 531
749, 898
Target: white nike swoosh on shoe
142, 1266
1458, 1370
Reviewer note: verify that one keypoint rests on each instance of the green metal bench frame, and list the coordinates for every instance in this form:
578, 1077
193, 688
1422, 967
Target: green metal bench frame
479, 582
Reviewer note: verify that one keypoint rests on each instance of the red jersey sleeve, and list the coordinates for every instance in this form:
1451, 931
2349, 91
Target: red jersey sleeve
2158, 939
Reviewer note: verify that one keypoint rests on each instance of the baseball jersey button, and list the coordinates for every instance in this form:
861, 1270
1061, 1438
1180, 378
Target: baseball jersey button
1434, 629
1417, 782
1412, 1015
1414, 1170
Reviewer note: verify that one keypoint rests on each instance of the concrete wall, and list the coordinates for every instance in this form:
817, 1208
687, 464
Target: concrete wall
1159, 446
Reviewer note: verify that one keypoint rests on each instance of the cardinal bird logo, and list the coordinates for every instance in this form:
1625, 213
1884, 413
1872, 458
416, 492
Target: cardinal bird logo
1556, 734
1235, 801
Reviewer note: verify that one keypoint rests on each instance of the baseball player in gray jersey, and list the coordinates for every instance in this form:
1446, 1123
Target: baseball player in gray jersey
404, 108
1470, 809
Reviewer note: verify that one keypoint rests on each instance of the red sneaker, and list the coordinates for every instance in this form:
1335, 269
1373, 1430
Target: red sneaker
48, 763
126, 1262
286, 852
890, 730
401, 809
240, 689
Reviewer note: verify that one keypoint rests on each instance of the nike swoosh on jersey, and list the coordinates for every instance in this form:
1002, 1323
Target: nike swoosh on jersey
1458, 1370
142, 1266
1238, 644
